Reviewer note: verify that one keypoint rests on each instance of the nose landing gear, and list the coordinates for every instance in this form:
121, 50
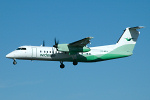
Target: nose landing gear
14, 62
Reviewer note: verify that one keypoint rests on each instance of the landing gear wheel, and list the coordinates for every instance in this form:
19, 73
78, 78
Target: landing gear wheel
62, 66
14, 62
75, 62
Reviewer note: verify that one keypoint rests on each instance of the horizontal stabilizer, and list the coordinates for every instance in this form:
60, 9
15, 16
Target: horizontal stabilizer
137, 27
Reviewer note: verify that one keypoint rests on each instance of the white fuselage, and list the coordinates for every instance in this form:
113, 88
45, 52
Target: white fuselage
51, 54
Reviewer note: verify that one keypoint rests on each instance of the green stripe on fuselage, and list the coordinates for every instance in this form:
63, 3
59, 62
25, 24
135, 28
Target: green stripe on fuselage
119, 52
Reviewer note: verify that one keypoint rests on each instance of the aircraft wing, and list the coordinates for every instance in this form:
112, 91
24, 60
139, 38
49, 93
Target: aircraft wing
82, 42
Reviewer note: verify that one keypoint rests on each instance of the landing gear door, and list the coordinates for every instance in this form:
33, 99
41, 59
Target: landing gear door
34, 52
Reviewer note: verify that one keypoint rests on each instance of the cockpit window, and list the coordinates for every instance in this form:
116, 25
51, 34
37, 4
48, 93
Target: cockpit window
18, 49
21, 49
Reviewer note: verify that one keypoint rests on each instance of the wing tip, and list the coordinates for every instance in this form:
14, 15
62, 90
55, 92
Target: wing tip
90, 37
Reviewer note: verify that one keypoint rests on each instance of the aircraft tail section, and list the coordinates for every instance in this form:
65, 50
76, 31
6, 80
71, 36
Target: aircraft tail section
125, 45
128, 39
129, 36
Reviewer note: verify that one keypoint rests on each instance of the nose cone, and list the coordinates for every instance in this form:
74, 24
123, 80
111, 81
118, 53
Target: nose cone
10, 55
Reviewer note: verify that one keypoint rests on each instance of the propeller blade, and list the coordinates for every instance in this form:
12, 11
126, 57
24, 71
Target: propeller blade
56, 43
43, 43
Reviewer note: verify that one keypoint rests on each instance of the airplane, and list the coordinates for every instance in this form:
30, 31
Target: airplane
79, 51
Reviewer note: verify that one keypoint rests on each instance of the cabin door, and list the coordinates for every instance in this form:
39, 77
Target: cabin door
34, 52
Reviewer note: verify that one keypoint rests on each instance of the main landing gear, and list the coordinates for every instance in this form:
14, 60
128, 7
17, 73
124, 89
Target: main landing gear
62, 65
14, 62
75, 62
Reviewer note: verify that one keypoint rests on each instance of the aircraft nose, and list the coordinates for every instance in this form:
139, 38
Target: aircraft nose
10, 55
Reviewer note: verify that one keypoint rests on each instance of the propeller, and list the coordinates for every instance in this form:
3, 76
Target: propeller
43, 43
56, 43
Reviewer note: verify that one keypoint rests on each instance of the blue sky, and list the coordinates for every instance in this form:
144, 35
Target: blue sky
29, 22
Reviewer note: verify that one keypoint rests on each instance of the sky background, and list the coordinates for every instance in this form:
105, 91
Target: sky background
29, 22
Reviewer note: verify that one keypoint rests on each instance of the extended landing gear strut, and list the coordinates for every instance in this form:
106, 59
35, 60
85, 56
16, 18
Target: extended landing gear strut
74, 57
14, 62
75, 62
62, 65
